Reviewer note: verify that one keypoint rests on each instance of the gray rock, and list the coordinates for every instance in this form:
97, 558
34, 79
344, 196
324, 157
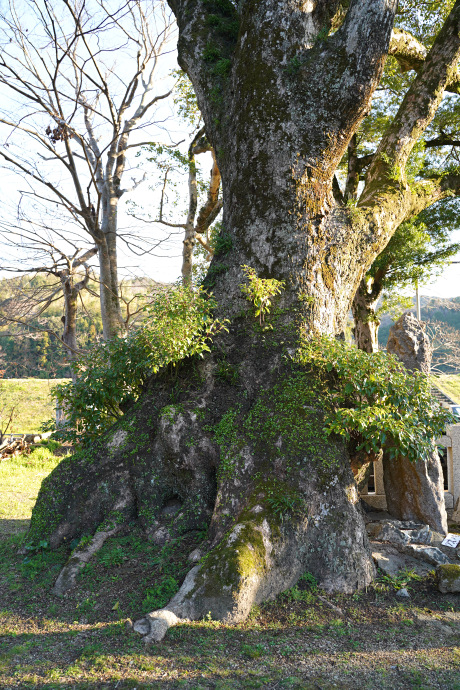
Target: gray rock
160, 536
419, 536
437, 538
403, 593
391, 561
414, 489
409, 524
194, 556
448, 576
431, 554
389, 532
410, 343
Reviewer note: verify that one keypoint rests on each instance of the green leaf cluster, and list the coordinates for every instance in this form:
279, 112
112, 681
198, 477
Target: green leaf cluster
419, 249
179, 323
260, 291
373, 401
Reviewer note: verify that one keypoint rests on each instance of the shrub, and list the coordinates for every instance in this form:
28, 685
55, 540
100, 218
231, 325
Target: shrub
260, 291
373, 401
178, 324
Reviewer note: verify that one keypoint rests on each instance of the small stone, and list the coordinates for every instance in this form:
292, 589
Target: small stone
419, 536
437, 538
403, 593
194, 556
128, 624
448, 578
392, 534
160, 536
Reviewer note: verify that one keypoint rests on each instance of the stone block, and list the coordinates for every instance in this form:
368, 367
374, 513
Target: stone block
448, 576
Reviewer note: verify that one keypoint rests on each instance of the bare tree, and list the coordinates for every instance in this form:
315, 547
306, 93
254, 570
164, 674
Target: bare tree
47, 251
198, 219
81, 81
445, 344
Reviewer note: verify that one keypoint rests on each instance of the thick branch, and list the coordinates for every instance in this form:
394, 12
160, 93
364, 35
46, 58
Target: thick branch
351, 187
411, 55
420, 103
428, 192
212, 202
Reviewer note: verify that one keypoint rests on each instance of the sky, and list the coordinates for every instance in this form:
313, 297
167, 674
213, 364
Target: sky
448, 284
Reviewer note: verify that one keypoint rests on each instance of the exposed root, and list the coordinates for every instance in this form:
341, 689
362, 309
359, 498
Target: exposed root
79, 559
330, 605
155, 625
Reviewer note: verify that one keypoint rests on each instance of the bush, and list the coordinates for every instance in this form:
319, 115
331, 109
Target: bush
178, 324
373, 401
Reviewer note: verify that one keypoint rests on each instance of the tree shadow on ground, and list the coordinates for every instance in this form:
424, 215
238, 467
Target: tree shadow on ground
209, 655
10, 528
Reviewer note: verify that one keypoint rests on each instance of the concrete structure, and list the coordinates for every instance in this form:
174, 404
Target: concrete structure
450, 441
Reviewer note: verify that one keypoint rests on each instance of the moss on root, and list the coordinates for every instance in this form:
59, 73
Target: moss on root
284, 423
241, 555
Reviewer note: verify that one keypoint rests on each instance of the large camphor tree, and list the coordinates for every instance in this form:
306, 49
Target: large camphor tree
283, 86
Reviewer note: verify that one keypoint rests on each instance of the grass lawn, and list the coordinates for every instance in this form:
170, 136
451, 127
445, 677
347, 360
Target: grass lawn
32, 401
450, 384
297, 641
20, 480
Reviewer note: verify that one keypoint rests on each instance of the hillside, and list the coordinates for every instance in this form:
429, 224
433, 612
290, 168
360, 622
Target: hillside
450, 385
31, 401
31, 350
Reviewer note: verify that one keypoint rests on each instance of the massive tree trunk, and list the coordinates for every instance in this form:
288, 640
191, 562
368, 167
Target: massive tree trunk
246, 455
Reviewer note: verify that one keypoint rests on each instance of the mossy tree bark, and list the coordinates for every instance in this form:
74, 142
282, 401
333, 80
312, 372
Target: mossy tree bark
238, 445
